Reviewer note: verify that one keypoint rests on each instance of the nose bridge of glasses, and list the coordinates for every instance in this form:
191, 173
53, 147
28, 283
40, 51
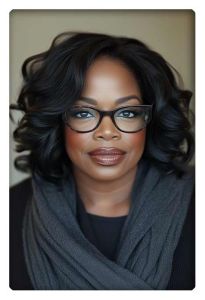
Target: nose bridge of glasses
107, 115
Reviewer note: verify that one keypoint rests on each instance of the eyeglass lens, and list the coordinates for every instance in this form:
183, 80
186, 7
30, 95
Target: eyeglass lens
127, 119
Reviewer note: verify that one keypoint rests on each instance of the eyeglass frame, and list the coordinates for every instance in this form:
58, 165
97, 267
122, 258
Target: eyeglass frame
111, 114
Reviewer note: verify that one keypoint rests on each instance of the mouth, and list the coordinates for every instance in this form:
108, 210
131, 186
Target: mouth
107, 156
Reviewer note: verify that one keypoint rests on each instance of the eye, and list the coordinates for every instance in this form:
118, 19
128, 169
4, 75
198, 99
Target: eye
81, 114
128, 114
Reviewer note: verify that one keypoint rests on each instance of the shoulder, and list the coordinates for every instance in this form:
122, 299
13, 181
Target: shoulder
183, 267
21, 189
178, 183
184, 182
19, 196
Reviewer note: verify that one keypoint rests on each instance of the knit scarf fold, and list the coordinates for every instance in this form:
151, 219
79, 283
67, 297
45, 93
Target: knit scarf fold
58, 255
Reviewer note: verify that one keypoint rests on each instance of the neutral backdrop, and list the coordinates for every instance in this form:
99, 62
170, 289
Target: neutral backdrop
169, 32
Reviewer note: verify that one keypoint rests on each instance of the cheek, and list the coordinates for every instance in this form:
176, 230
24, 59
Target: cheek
75, 142
137, 140
137, 144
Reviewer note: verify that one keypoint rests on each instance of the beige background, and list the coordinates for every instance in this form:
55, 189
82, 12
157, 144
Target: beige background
169, 32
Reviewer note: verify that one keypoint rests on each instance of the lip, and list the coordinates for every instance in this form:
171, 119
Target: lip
107, 156
106, 151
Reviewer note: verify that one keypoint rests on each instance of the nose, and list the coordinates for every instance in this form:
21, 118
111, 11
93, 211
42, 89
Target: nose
106, 130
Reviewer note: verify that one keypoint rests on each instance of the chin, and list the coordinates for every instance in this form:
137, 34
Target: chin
108, 173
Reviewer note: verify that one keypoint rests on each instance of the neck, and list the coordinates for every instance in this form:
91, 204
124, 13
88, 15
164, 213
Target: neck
105, 198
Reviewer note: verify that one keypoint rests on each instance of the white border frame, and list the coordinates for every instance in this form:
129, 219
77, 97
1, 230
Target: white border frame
197, 7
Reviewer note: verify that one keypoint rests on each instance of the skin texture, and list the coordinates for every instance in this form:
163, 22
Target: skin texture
105, 190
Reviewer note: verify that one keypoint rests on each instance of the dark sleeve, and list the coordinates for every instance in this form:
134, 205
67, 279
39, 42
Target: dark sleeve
18, 276
183, 270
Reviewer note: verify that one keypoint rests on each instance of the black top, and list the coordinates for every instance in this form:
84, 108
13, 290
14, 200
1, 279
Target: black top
103, 232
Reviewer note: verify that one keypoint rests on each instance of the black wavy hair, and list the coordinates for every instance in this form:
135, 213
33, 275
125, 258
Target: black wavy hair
53, 81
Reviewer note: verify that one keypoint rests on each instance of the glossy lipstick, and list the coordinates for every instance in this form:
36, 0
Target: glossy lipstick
107, 156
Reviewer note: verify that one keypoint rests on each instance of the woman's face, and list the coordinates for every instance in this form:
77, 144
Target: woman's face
106, 81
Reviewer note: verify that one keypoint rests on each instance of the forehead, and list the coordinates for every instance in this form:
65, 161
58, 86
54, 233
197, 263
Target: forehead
109, 79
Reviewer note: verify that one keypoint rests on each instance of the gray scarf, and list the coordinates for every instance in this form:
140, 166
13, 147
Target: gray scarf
58, 255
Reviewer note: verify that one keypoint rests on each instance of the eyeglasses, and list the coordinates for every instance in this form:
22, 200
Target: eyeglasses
128, 119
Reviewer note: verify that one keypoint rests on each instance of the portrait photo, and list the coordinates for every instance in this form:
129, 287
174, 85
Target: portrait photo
102, 150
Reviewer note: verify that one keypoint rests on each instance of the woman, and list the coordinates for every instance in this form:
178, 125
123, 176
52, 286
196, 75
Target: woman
111, 202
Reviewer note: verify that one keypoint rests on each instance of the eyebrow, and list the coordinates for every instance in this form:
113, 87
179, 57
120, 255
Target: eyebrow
117, 101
